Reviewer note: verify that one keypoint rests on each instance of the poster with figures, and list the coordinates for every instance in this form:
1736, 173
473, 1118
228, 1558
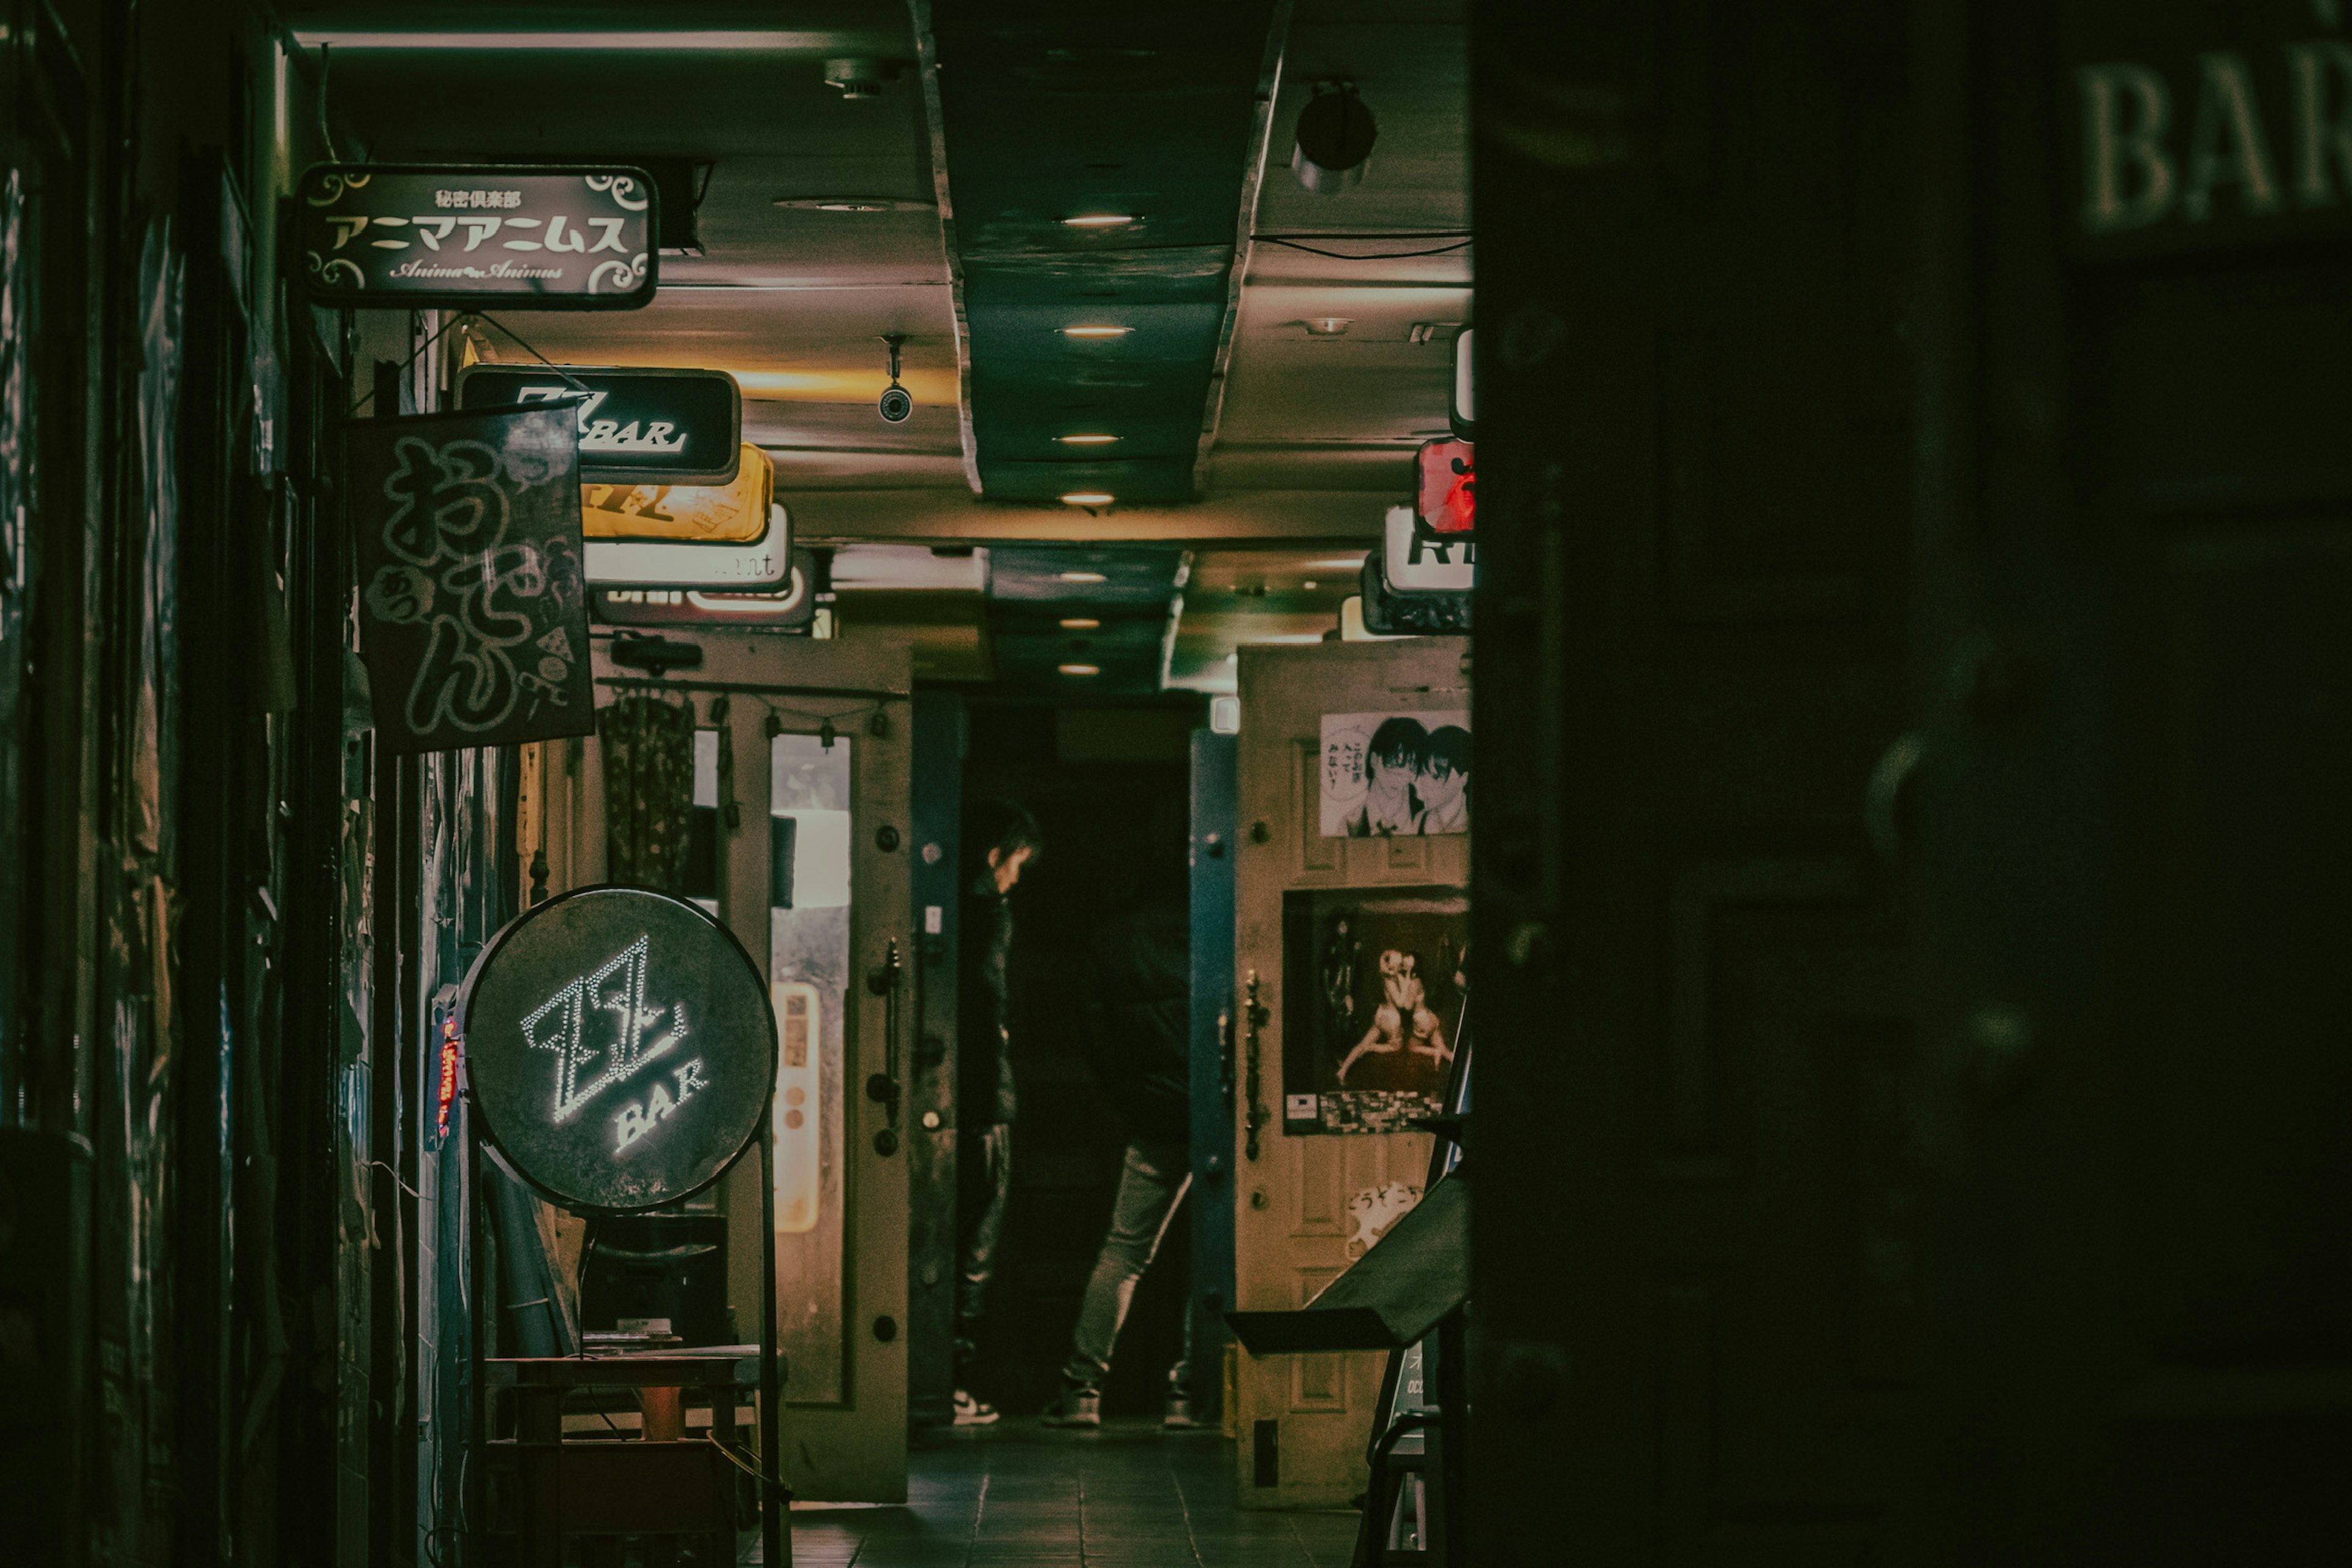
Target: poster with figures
1375, 989
473, 591
1395, 774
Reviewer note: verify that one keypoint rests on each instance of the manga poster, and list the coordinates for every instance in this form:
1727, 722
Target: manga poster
474, 596
1395, 774
1374, 994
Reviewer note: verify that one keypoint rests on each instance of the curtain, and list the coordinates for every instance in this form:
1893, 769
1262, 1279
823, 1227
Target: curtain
649, 746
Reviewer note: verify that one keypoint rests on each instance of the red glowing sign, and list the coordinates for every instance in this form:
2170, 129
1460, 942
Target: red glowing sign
445, 1091
1448, 486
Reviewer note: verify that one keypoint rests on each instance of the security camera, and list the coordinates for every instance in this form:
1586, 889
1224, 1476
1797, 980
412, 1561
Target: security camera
896, 404
1335, 137
859, 76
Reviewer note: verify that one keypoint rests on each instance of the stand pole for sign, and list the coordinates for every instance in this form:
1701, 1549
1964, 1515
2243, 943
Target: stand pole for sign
775, 1500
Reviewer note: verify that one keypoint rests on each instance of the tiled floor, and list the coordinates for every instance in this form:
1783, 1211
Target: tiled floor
1016, 1496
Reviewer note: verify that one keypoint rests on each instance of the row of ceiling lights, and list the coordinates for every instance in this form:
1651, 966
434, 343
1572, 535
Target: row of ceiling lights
1095, 222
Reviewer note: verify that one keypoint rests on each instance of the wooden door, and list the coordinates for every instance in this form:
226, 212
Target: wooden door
1305, 1198
1695, 1270
2135, 843
812, 743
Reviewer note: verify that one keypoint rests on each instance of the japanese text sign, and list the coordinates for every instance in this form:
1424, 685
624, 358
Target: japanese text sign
474, 598
478, 235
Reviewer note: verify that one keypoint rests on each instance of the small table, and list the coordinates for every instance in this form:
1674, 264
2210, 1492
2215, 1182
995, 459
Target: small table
664, 1487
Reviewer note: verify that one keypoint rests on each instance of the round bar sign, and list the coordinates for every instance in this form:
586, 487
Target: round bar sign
619, 1049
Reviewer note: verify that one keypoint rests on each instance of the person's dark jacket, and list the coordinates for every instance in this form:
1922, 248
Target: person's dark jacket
984, 1094
1140, 1016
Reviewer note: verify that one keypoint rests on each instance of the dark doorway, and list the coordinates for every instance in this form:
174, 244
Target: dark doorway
1110, 788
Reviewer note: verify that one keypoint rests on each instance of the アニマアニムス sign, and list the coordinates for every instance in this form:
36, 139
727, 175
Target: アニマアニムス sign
473, 588
619, 1047
637, 426
477, 236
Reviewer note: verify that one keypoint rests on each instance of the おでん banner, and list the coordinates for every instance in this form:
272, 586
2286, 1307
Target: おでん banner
474, 596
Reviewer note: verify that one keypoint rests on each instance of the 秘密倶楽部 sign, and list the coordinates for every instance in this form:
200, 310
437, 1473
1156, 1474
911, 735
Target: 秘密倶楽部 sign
637, 426
482, 236
620, 1048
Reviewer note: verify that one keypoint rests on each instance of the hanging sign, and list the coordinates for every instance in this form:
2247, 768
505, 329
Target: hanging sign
619, 1047
733, 514
474, 603
1387, 611
1463, 415
1447, 489
637, 426
1415, 558
674, 563
791, 607
478, 235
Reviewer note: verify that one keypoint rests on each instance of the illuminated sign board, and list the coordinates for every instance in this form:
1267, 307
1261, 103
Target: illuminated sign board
737, 512
1417, 558
1463, 415
619, 1049
478, 235
637, 426
791, 607
690, 564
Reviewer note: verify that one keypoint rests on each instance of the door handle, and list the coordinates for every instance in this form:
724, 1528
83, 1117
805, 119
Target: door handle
885, 980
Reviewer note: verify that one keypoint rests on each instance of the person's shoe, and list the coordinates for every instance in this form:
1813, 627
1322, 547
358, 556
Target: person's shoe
1078, 1407
971, 1412
1178, 1418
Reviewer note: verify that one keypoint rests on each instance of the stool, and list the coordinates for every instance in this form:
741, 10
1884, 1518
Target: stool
663, 1487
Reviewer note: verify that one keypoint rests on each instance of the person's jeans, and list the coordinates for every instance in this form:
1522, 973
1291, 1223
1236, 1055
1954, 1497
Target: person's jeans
987, 1185
1151, 1184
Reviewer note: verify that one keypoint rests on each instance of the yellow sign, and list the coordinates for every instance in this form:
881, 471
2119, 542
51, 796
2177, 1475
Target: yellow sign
705, 514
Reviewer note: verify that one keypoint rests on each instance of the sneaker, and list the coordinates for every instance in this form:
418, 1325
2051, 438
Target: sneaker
1079, 1408
971, 1412
1178, 1418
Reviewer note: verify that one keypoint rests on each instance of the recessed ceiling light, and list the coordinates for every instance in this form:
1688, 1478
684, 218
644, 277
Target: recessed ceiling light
1100, 220
1079, 668
1095, 332
852, 205
1083, 576
1080, 624
1085, 440
1085, 498
1309, 585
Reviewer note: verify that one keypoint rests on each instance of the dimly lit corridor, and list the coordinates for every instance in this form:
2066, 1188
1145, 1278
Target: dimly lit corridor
1175, 784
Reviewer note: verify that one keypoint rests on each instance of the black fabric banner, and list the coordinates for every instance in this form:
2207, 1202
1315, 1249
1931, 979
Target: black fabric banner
473, 604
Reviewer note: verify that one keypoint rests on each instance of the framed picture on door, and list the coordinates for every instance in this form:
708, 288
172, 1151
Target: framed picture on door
1373, 989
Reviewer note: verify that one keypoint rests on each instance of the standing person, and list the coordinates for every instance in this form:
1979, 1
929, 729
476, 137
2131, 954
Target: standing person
1000, 839
1141, 1018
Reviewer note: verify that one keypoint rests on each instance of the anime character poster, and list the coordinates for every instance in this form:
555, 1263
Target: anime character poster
1395, 774
1374, 997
